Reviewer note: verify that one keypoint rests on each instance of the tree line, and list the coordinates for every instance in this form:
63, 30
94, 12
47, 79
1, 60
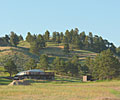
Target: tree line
11, 40
74, 38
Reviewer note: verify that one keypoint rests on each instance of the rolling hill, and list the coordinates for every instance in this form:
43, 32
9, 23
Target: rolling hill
21, 54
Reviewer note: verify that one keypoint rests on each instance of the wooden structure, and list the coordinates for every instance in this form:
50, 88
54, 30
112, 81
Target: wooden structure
35, 74
87, 78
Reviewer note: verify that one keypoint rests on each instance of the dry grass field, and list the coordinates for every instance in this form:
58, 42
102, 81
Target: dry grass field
40, 90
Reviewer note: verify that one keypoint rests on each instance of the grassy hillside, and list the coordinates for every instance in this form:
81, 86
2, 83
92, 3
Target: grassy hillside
21, 53
54, 49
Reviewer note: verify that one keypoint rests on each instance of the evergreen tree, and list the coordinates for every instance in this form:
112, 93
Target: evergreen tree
30, 38
90, 40
66, 48
82, 36
56, 64
86, 43
68, 36
41, 41
58, 37
112, 48
31, 64
61, 36
105, 66
75, 66
47, 35
43, 62
54, 36
10, 67
65, 40
14, 40
7, 38
20, 38
34, 47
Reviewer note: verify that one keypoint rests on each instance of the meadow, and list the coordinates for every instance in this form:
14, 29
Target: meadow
62, 90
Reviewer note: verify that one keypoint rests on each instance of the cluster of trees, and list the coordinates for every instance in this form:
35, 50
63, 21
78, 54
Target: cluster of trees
71, 67
104, 66
41, 64
83, 41
10, 40
74, 38
37, 42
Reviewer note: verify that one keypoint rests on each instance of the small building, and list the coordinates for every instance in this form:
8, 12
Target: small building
34, 74
87, 78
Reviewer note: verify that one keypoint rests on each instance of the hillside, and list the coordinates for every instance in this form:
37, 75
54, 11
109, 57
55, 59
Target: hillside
21, 53
20, 56
53, 50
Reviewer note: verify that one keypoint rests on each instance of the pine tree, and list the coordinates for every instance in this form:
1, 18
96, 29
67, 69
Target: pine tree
10, 67
54, 36
30, 38
47, 35
56, 64
34, 47
66, 48
20, 38
31, 64
43, 62
14, 40
105, 66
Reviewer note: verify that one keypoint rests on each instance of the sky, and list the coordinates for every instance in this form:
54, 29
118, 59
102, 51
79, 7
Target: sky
101, 17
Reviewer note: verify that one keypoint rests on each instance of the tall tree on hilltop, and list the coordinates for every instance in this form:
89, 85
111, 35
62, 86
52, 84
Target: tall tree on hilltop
20, 38
41, 41
61, 36
68, 36
30, 38
14, 40
58, 37
54, 36
90, 40
113, 48
86, 42
82, 36
7, 38
47, 35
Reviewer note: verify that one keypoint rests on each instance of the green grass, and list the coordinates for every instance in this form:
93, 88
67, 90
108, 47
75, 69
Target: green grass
45, 90
117, 93
53, 50
24, 44
4, 81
